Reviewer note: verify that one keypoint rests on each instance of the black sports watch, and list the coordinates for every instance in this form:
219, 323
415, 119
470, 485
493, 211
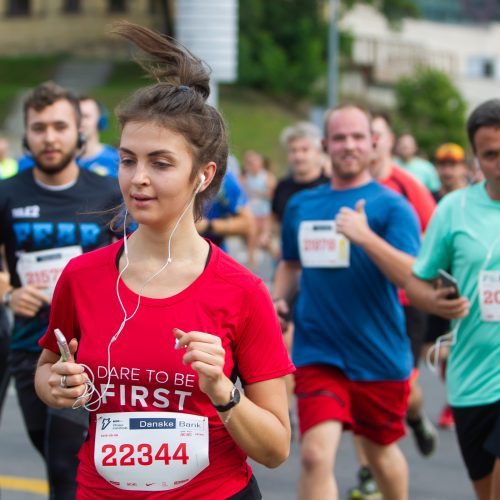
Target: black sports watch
235, 399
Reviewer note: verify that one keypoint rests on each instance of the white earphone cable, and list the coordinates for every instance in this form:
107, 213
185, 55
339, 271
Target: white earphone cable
90, 388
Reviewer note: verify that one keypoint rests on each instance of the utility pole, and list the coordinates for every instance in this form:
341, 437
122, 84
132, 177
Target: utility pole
333, 54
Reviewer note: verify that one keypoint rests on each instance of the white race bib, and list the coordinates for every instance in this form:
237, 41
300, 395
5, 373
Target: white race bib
321, 246
45, 266
150, 451
489, 295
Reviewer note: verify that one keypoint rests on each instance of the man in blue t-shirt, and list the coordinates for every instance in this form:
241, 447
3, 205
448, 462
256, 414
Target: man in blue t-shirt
350, 243
100, 158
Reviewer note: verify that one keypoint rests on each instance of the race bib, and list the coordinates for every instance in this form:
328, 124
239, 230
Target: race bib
150, 451
321, 246
489, 295
45, 266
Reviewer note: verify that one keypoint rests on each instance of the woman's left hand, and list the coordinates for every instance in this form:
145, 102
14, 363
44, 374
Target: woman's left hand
205, 354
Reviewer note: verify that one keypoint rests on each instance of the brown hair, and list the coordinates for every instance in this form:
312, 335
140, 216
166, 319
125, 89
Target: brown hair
177, 102
48, 93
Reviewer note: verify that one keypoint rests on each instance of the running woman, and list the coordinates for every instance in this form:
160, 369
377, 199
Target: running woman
161, 325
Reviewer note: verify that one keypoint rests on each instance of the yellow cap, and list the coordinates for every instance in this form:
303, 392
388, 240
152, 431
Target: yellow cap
450, 151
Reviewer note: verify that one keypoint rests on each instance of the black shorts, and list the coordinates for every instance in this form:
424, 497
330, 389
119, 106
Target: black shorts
250, 492
416, 324
478, 433
436, 326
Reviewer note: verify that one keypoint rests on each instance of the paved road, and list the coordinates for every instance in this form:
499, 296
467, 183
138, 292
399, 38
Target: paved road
441, 477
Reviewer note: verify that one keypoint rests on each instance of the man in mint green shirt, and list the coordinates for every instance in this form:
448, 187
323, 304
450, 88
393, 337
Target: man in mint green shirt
463, 237
407, 159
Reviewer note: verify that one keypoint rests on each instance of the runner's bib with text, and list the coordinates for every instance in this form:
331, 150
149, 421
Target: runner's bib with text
45, 266
489, 295
321, 246
150, 451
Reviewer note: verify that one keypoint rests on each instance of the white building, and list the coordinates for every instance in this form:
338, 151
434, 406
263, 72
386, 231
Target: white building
468, 53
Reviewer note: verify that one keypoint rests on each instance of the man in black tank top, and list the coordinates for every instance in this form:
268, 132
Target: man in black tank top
302, 143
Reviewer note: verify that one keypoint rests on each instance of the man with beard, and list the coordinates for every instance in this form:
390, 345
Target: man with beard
350, 243
48, 214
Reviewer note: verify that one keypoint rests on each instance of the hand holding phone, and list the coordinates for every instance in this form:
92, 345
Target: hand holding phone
448, 281
63, 345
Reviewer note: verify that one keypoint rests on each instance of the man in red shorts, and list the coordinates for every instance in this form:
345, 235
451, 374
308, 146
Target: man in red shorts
350, 243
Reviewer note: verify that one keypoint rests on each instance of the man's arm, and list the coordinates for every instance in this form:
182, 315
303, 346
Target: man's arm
285, 287
286, 279
425, 296
395, 264
240, 224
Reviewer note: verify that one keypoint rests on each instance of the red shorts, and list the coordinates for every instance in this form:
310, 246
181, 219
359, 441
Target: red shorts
375, 410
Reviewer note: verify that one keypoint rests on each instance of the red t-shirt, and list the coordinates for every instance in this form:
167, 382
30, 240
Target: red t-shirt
417, 195
414, 191
225, 300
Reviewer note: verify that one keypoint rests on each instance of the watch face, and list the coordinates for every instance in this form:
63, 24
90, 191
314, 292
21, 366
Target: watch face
233, 401
235, 396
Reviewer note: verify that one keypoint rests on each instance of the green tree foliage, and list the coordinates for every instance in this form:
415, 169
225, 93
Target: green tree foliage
282, 45
431, 108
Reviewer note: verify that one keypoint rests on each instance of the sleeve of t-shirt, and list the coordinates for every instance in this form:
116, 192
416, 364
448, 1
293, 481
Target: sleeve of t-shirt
403, 227
260, 353
423, 202
435, 252
274, 202
235, 196
62, 312
289, 241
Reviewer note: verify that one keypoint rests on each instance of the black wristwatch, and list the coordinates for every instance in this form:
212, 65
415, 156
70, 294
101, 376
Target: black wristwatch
235, 399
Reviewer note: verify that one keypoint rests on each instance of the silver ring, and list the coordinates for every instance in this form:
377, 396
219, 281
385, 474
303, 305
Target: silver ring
63, 383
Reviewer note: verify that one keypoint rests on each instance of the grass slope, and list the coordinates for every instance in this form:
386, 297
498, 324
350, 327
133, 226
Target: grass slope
254, 120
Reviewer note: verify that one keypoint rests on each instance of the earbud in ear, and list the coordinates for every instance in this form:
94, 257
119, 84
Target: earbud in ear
200, 185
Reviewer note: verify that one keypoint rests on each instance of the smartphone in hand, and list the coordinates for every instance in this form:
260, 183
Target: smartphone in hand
63, 345
448, 281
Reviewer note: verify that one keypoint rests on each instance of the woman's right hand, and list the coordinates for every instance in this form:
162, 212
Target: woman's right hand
67, 380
